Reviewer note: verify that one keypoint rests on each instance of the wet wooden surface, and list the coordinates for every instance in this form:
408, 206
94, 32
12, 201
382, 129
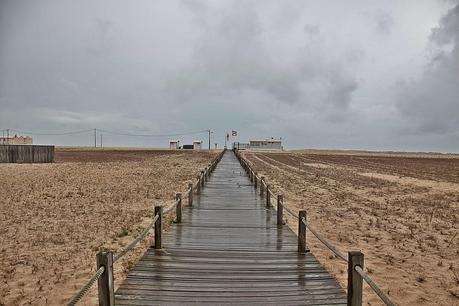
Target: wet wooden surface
229, 250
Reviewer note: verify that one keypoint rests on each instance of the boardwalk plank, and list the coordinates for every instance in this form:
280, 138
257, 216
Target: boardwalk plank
229, 250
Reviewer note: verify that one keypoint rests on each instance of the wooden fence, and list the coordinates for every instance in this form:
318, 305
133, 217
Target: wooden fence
26, 154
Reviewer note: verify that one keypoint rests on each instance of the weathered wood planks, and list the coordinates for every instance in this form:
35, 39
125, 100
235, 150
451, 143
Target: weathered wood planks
26, 154
229, 249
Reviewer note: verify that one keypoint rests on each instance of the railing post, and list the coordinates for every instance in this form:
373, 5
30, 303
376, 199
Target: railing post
190, 194
198, 186
178, 209
280, 210
354, 280
202, 178
105, 282
301, 232
262, 179
255, 180
268, 197
206, 174
158, 227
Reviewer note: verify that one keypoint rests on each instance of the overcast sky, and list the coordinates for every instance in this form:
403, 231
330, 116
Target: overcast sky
380, 75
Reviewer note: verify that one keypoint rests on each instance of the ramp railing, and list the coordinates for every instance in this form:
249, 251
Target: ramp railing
354, 259
105, 259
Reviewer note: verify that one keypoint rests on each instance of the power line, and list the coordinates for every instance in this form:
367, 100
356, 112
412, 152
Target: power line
152, 135
120, 133
53, 134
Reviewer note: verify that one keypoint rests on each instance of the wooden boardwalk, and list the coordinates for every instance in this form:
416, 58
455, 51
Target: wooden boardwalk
229, 250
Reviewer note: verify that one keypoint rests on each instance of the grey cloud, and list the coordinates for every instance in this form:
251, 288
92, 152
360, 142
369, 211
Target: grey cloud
384, 21
312, 29
314, 73
431, 102
233, 55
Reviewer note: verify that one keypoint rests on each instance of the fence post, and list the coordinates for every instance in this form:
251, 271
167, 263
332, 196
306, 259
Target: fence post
255, 180
268, 197
202, 178
190, 194
105, 282
262, 179
198, 186
280, 210
158, 226
178, 209
301, 232
354, 280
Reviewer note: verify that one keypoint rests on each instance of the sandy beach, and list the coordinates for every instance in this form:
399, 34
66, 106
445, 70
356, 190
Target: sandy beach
400, 209
56, 217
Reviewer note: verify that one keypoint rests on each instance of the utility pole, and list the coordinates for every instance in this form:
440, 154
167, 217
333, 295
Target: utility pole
95, 138
209, 140
101, 139
7, 136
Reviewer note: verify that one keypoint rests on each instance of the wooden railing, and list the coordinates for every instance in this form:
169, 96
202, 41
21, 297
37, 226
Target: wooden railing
106, 259
355, 259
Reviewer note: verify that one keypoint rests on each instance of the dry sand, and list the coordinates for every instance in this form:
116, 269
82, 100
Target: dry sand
400, 209
56, 217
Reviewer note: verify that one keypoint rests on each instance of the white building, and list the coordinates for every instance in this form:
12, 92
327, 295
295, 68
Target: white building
16, 140
260, 144
174, 144
197, 145
265, 144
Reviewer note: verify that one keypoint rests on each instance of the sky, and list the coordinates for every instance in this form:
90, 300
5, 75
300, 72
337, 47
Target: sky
357, 74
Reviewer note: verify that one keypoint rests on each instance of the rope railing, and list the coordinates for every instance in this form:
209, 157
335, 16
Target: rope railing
354, 259
291, 212
131, 245
105, 260
171, 208
324, 241
374, 286
77, 297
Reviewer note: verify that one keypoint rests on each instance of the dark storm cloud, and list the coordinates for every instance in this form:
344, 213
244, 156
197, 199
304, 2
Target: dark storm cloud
432, 102
235, 54
323, 74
